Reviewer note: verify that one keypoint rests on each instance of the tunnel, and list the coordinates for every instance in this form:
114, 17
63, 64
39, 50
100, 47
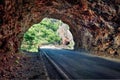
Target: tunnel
92, 30
94, 23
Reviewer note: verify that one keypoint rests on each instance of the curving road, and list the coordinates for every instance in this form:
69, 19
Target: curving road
80, 65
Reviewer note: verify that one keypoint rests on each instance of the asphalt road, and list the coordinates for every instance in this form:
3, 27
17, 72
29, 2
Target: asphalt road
82, 66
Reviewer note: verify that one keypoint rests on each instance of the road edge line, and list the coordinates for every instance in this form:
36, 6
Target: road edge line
46, 73
57, 67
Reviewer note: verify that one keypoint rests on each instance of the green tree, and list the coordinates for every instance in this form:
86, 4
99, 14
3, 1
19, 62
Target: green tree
43, 32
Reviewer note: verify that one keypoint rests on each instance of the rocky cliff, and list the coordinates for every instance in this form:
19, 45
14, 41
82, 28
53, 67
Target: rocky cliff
95, 24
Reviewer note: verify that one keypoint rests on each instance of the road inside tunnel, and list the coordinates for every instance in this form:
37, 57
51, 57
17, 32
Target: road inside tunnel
82, 65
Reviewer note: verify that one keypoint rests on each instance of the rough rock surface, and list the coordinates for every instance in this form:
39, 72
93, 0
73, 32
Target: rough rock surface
28, 66
95, 24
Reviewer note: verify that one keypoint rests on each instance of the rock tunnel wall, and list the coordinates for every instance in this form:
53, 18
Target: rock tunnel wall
94, 23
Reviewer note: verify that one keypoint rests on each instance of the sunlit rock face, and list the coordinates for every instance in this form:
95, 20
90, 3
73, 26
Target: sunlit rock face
65, 34
94, 23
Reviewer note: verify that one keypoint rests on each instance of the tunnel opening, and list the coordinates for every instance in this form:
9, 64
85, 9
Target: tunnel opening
48, 32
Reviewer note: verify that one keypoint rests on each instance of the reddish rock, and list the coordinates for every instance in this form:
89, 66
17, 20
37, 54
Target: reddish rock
93, 23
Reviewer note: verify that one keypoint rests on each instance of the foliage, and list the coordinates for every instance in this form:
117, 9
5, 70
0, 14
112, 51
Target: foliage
44, 32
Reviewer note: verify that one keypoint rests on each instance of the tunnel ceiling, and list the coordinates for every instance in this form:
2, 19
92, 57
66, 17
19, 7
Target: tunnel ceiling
94, 23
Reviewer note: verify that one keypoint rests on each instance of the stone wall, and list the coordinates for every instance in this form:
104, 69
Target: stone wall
94, 23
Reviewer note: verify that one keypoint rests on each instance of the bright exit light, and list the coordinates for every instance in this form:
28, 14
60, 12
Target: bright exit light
48, 31
49, 47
